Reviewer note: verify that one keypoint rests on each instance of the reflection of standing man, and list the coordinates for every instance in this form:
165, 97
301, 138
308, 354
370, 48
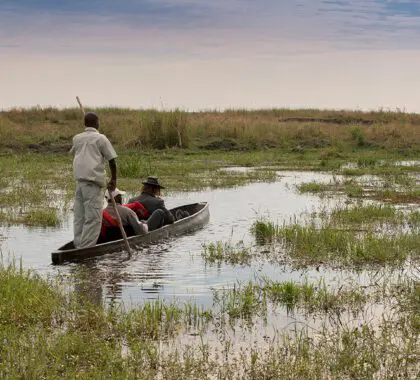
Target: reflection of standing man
90, 148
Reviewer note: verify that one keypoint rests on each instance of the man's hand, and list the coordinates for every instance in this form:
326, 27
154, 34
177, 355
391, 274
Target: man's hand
112, 185
113, 167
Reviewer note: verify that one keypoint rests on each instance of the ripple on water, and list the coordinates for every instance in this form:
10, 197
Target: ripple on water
175, 269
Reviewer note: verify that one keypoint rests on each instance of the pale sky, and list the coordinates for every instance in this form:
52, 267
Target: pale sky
211, 54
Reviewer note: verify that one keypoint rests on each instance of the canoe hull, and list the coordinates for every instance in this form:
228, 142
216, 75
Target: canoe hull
199, 217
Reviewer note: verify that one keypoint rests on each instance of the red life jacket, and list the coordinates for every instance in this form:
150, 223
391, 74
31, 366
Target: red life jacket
110, 220
139, 209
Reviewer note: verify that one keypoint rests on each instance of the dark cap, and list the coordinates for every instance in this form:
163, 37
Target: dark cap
152, 181
91, 120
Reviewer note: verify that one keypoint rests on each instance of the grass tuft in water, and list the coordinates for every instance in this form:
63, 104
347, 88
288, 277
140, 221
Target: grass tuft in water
312, 246
265, 231
241, 301
309, 245
361, 214
225, 252
312, 187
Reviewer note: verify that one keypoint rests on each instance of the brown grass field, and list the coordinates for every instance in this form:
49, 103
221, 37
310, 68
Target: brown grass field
49, 129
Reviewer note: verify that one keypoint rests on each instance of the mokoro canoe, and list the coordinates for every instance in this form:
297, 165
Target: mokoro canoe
199, 216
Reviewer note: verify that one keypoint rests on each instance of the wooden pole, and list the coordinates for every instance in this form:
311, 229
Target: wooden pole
119, 221
80, 105
124, 235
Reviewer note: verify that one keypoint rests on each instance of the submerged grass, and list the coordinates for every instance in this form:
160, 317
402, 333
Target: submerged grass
250, 300
46, 333
265, 231
326, 245
350, 236
366, 214
241, 302
386, 187
33, 218
312, 187
225, 252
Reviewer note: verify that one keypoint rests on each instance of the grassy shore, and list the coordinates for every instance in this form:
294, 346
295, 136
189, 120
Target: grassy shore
50, 129
36, 170
48, 333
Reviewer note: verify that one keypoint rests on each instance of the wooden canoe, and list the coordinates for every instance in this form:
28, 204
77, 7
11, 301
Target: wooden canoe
199, 216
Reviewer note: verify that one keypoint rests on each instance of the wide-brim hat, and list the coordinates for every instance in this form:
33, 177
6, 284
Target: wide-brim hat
153, 181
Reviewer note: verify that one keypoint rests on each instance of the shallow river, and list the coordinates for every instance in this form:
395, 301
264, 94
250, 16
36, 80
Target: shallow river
175, 269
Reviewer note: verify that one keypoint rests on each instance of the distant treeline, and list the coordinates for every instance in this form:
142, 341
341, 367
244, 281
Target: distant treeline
50, 129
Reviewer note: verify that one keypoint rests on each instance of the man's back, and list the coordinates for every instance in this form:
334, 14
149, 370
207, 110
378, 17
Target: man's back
90, 149
149, 201
153, 203
128, 218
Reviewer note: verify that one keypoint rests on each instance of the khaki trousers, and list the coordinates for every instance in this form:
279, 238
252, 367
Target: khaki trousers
88, 203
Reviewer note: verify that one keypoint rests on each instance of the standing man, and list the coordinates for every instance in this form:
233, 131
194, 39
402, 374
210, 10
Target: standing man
90, 149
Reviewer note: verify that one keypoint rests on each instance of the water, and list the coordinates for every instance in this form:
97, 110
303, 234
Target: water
175, 269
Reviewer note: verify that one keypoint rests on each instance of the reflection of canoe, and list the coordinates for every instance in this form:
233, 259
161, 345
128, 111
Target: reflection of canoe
199, 216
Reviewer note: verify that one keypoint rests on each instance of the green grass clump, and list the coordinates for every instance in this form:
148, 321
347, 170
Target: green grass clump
288, 293
310, 245
398, 196
46, 218
241, 301
153, 320
247, 301
314, 246
225, 252
27, 300
312, 187
365, 214
264, 231
314, 298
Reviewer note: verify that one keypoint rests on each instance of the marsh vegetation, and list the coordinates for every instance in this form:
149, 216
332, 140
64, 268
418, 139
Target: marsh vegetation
59, 334
340, 297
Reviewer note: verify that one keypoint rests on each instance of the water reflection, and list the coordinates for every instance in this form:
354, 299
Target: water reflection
175, 269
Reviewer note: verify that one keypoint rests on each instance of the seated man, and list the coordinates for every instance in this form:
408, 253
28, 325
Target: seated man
149, 205
110, 229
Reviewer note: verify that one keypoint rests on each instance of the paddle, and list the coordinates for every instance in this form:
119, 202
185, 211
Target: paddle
119, 221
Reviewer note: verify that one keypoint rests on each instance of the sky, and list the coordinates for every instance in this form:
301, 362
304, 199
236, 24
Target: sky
211, 54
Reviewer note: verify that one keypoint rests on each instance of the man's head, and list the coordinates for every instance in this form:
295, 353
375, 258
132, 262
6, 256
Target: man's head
117, 195
152, 186
91, 120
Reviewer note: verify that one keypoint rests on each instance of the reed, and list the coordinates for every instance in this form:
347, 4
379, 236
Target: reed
48, 333
48, 128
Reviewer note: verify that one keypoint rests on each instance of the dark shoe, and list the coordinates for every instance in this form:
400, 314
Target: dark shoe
181, 214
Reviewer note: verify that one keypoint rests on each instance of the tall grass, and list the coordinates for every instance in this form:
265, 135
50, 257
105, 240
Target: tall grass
302, 129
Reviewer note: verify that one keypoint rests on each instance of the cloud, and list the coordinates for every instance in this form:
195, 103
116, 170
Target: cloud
196, 28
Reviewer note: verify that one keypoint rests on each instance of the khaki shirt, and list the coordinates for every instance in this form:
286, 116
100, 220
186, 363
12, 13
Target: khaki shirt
128, 218
90, 148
